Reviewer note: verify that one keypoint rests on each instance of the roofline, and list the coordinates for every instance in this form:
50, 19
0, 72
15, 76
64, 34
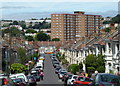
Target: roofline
77, 14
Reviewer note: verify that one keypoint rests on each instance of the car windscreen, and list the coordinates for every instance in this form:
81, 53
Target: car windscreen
110, 78
38, 67
69, 76
74, 77
17, 80
21, 76
63, 72
81, 78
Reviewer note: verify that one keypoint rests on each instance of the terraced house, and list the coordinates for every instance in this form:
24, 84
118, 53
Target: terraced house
107, 45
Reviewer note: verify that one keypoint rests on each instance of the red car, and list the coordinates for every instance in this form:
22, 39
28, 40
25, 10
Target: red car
81, 81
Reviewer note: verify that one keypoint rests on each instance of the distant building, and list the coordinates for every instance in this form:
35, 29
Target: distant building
5, 22
33, 22
17, 26
75, 26
47, 31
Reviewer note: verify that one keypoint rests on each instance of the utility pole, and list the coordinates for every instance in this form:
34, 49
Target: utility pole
84, 61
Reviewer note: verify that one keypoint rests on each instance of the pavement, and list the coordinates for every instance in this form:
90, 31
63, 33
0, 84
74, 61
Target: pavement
50, 78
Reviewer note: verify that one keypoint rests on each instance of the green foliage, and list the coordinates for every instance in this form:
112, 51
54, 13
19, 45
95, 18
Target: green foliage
116, 19
17, 68
56, 39
101, 69
64, 61
29, 38
107, 29
61, 58
95, 61
106, 22
73, 68
13, 31
22, 55
80, 65
90, 69
23, 24
30, 31
15, 23
39, 25
42, 37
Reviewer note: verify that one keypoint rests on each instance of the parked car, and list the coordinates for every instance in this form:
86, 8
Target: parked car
71, 79
19, 82
36, 75
66, 76
19, 75
56, 64
5, 80
82, 81
32, 80
61, 74
57, 69
40, 67
104, 79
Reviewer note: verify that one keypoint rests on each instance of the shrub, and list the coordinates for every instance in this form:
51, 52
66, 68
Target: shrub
101, 69
73, 68
17, 68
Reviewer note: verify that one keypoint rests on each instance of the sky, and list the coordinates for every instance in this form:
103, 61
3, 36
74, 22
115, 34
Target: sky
24, 9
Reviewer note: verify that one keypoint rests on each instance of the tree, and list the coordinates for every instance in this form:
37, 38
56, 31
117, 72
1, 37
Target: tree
13, 31
42, 37
116, 19
96, 62
22, 55
106, 22
55, 39
73, 68
22, 24
80, 65
108, 29
17, 68
30, 31
29, 38
15, 22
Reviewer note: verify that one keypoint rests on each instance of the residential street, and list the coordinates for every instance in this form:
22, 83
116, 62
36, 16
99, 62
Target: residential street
50, 78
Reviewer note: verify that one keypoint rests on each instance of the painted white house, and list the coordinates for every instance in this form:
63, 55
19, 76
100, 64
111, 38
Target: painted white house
104, 46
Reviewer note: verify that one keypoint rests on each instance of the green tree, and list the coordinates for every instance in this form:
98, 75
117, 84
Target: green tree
73, 68
29, 38
42, 37
116, 19
106, 22
17, 68
80, 65
30, 31
15, 23
22, 55
96, 62
55, 39
22, 24
13, 31
108, 29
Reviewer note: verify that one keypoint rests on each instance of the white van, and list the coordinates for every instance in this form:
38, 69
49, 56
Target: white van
19, 75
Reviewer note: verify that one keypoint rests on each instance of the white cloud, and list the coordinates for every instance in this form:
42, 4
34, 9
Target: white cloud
59, 0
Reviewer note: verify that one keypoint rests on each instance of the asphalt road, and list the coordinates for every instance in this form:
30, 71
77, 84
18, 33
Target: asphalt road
50, 78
